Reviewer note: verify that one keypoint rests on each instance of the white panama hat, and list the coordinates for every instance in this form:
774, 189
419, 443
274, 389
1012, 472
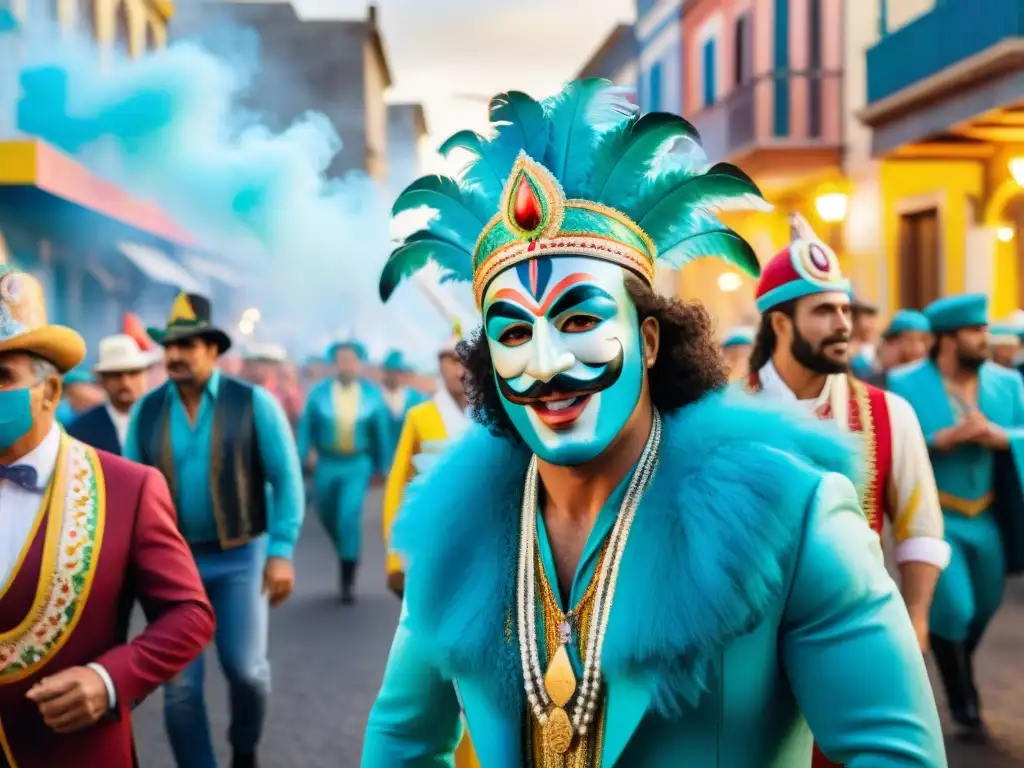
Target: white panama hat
120, 353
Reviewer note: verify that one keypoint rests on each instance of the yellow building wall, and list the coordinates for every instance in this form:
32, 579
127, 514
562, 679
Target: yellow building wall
1008, 293
951, 186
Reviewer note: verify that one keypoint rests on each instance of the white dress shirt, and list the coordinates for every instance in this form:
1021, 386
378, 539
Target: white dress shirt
912, 495
18, 510
120, 421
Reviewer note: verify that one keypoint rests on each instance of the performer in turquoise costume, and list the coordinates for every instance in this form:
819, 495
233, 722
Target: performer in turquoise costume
905, 340
611, 573
398, 396
345, 433
972, 415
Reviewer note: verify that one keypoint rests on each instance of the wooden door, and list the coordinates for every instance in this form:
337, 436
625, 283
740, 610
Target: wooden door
919, 259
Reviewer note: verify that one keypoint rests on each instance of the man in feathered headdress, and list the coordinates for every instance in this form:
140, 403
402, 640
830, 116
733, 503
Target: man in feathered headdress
612, 572
802, 354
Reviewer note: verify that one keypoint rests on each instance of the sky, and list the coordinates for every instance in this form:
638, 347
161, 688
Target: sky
453, 55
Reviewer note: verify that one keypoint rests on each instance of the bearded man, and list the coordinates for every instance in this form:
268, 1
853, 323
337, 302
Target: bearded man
972, 414
622, 579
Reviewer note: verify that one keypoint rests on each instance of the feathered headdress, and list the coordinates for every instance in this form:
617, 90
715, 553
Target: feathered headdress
579, 173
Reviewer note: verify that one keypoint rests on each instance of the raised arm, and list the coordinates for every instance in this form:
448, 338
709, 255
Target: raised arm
848, 646
415, 722
281, 466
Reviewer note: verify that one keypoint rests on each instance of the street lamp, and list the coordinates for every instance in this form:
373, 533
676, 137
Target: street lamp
252, 315
729, 282
1005, 233
246, 327
832, 206
1017, 170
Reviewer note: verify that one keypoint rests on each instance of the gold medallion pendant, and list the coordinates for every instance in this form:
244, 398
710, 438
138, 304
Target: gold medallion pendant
560, 682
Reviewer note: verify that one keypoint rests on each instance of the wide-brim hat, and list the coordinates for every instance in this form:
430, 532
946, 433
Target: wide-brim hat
121, 354
190, 319
23, 324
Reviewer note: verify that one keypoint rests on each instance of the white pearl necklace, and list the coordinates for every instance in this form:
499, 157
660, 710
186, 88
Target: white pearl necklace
586, 698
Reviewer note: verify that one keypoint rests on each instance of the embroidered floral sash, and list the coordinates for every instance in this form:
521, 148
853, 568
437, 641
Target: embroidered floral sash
74, 521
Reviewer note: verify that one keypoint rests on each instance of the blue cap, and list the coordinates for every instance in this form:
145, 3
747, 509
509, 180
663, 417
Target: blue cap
954, 312
352, 344
78, 376
738, 337
394, 361
907, 320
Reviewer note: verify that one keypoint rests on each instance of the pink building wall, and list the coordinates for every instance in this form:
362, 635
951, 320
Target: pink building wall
722, 16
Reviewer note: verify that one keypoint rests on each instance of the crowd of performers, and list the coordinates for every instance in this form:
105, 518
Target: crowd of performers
621, 455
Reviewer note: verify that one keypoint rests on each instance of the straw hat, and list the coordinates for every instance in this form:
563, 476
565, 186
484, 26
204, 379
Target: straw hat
23, 325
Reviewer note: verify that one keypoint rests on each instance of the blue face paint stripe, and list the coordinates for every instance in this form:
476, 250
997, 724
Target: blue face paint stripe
537, 283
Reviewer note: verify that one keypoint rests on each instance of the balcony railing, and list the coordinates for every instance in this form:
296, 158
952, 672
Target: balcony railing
779, 108
951, 32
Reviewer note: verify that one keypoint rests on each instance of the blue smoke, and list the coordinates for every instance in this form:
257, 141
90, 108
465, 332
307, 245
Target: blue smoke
167, 127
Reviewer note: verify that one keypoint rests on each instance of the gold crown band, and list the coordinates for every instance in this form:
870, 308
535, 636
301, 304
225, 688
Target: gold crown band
564, 244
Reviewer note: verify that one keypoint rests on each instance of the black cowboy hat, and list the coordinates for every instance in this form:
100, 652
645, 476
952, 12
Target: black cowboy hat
190, 319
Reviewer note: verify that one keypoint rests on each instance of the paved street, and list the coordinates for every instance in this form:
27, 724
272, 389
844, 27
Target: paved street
328, 662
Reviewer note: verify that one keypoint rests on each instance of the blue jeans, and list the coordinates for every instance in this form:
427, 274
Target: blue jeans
234, 584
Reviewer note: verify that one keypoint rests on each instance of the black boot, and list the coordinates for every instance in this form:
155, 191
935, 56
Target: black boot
244, 761
348, 581
956, 671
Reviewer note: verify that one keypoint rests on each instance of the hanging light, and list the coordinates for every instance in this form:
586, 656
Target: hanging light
832, 206
1004, 234
729, 282
1017, 170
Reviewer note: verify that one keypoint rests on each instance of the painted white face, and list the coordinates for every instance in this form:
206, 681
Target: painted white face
568, 359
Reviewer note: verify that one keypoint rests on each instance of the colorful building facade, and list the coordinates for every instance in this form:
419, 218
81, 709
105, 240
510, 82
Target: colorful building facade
940, 154
658, 32
763, 84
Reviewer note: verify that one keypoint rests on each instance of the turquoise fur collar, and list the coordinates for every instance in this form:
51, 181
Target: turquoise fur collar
715, 523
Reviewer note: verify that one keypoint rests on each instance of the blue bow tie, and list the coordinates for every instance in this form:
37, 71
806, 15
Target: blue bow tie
21, 474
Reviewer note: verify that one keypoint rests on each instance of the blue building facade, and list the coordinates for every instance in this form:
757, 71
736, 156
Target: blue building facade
659, 36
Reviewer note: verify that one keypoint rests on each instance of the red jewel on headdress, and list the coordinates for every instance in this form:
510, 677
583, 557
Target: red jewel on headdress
527, 210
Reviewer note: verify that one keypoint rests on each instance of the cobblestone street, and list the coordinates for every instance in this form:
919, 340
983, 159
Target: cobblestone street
328, 660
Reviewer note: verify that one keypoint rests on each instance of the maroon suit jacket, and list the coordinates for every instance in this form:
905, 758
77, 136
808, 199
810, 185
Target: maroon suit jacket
142, 557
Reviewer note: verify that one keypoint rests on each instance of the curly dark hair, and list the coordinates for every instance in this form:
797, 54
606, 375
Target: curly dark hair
689, 363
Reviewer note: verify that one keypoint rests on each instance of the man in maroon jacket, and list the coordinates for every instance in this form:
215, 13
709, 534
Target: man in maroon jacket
83, 535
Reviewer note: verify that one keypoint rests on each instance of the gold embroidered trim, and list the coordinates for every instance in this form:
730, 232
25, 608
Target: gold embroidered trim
869, 491
74, 535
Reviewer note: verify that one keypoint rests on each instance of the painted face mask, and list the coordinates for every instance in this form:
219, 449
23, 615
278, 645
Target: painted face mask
568, 359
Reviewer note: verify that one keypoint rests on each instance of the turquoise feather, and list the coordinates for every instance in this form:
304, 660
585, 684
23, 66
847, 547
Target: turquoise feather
447, 187
579, 116
723, 186
623, 162
413, 256
520, 119
479, 172
452, 221
717, 240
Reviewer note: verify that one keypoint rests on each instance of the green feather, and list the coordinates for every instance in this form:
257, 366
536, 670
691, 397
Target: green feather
446, 186
479, 172
452, 221
520, 119
416, 254
707, 236
623, 161
723, 187
579, 116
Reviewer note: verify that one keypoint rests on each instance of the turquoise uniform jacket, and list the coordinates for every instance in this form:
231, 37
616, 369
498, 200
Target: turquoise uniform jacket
748, 612
372, 436
968, 473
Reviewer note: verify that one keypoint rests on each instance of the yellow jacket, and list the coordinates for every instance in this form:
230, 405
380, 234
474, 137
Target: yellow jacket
423, 425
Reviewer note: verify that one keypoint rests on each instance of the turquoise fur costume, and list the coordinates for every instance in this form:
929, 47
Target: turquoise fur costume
343, 475
982, 526
756, 566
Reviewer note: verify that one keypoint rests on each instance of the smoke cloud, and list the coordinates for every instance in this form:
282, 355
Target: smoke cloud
168, 128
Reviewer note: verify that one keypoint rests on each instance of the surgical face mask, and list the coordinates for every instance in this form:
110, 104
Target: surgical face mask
568, 358
15, 415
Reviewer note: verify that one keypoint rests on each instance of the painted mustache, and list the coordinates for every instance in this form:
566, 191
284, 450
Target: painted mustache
563, 384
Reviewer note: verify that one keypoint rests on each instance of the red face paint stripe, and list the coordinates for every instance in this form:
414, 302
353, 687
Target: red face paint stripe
511, 294
534, 273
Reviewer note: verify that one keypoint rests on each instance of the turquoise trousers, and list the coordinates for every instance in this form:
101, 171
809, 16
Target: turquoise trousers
971, 588
339, 486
